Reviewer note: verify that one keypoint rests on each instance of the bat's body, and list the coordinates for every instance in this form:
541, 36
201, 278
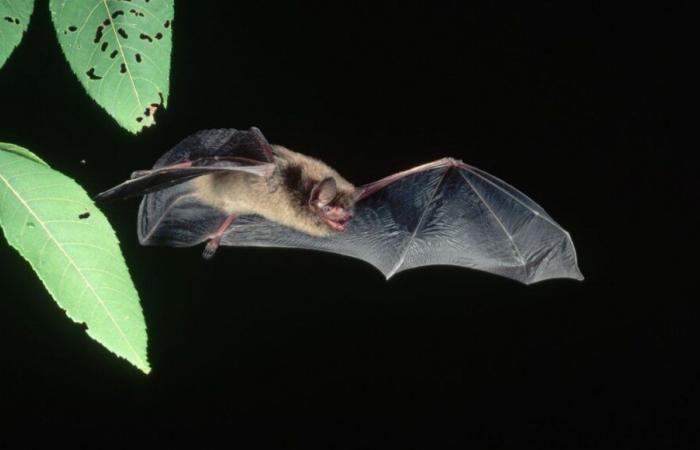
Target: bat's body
280, 198
229, 187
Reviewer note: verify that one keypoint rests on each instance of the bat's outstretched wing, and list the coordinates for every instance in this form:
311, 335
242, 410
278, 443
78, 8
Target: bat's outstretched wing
444, 212
203, 152
171, 213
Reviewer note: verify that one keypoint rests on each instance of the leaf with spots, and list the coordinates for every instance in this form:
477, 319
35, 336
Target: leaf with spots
49, 219
14, 18
120, 51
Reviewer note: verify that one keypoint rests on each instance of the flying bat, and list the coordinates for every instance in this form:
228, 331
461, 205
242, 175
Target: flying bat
232, 188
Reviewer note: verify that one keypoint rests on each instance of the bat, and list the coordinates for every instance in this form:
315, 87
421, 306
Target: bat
227, 187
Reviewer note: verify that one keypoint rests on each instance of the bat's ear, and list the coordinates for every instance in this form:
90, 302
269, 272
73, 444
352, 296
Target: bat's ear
324, 191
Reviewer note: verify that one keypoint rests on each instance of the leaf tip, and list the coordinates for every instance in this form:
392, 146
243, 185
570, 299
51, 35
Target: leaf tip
144, 367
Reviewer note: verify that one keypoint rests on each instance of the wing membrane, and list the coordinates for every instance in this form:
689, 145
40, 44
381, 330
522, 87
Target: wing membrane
445, 213
206, 151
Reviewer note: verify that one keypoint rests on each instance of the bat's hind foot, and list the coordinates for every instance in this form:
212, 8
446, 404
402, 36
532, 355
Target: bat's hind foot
210, 248
215, 239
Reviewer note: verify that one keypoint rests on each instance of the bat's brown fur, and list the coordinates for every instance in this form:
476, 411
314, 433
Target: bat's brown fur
282, 199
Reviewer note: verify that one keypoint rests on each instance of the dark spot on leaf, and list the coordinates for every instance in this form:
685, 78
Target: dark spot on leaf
98, 34
139, 119
123, 68
9, 19
16, 21
122, 33
138, 57
107, 22
84, 215
146, 37
72, 28
113, 54
151, 110
30, 224
159, 36
104, 46
136, 13
117, 13
91, 74
166, 24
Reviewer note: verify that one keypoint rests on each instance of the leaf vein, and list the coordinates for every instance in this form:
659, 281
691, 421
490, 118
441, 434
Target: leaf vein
71, 262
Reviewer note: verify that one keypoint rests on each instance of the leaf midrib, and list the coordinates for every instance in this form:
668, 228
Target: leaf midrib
73, 264
123, 56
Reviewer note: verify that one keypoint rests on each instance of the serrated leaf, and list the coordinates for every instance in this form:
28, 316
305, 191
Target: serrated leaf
120, 51
14, 19
50, 220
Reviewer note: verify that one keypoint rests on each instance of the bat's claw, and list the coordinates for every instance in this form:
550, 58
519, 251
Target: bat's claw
210, 248
215, 239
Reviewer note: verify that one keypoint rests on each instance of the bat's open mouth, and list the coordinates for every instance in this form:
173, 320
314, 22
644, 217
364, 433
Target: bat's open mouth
337, 225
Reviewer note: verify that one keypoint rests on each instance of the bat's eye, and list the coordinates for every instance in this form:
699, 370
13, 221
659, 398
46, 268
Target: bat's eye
327, 209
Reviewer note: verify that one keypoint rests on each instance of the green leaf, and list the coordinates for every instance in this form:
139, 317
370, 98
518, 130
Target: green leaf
55, 226
14, 18
120, 51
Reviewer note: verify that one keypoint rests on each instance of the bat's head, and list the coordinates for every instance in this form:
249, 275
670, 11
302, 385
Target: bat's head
327, 199
331, 205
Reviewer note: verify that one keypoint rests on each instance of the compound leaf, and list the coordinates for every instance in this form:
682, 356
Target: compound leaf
50, 220
120, 51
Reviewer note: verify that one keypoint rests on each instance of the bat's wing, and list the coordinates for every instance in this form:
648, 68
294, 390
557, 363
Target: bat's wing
444, 212
170, 212
204, 152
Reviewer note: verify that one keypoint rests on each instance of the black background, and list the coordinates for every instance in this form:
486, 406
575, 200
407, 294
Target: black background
583, 108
